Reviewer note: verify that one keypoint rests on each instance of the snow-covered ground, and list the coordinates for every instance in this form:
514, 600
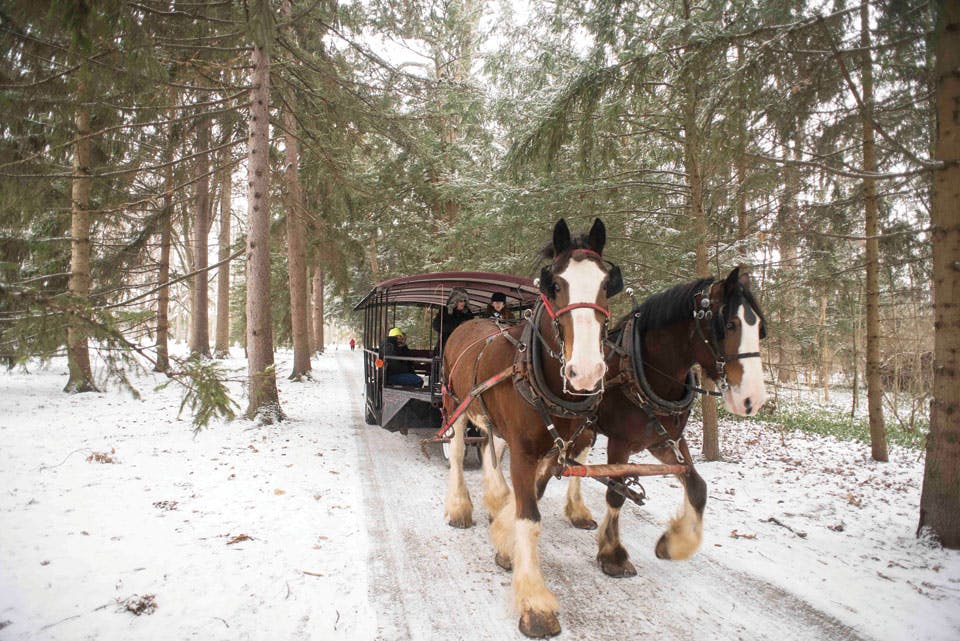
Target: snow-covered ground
117, 523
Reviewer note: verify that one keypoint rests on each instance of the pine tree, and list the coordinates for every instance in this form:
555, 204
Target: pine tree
940, 498
264, 401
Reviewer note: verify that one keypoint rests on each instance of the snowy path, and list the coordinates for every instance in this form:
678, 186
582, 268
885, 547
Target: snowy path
436, 582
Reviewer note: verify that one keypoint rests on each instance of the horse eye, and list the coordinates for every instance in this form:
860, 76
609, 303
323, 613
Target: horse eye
556, 288
730, 325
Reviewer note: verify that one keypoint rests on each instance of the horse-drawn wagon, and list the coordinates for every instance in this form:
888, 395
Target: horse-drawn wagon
410, 303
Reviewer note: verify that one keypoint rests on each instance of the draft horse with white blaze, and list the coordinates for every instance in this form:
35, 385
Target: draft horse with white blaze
533, 387
651, 389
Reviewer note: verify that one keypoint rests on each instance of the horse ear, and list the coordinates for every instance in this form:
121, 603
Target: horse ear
546, 282
732, 283
744, 277
598, 236
561, 237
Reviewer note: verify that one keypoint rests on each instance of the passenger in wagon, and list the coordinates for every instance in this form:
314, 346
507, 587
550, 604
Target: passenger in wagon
398, 372
497, 307
455, 313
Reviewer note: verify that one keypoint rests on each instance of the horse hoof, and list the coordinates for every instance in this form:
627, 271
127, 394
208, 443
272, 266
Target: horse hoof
621, 570
662, 551
584, 524
503, 561
463, 522
539, 625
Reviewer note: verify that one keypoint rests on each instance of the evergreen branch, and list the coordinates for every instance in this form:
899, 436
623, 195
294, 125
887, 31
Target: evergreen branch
868, 114
174, 280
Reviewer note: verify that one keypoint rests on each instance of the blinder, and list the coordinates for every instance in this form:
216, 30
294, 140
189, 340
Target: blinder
548, 286
614, 280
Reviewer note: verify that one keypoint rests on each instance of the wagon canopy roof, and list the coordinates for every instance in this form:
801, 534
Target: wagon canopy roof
434, 288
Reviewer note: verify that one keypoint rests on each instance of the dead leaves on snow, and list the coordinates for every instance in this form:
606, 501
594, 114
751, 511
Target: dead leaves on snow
146, 604
239, 539
103, 457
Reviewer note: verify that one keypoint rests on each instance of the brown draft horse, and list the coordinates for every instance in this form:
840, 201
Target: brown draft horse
650, 390
555, 359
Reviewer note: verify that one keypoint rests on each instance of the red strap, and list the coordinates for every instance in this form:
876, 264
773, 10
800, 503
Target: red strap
563, 310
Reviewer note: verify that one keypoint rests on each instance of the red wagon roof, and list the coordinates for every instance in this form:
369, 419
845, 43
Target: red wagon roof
434, 288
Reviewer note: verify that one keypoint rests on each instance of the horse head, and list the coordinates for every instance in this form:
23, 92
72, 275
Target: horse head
574, 290
729, 320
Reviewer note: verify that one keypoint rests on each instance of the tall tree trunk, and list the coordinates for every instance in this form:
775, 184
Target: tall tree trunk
788, 223
317, 286
296, 247
878, 434
199, 314
163, 295
823, 349
698, 214
78, 353
311, 309
372, 256
940, 497
319, 319
264, 400
222, 347
741, 163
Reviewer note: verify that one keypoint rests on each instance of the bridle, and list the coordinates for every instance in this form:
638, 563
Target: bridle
703, 310
555, 315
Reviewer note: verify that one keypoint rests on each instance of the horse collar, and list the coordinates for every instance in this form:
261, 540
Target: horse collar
529, 379
637, 377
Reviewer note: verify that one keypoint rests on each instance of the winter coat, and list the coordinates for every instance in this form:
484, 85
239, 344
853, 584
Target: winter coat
390, 348
445, 322
504, 314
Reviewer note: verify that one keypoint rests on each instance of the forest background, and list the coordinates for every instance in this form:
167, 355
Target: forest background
332, 145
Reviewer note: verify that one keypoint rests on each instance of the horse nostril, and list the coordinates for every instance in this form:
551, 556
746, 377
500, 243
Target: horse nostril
571, 372
747, 403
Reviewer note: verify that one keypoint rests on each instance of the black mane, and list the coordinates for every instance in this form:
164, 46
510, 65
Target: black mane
677, 304
668, 307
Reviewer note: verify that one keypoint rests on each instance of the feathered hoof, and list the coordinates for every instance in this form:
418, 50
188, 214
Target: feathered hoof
621, 570
584, 524
663, 548
461, 522
504, 561
539, 625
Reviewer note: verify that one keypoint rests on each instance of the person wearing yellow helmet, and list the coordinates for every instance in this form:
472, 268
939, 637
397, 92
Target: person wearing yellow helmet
398, 372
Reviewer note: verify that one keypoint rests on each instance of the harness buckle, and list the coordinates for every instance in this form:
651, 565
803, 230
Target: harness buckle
676, 451
562, 447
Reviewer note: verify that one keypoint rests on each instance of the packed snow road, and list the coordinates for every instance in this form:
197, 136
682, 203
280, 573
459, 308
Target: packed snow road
431, 581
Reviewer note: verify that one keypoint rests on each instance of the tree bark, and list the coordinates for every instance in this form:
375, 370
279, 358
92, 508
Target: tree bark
78, 353
311, 309
741, 165
318, 311
296, 248
264, 400
788, 222
940, 497
222, 347
698, 214
163, 276
878, 434
199, 314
